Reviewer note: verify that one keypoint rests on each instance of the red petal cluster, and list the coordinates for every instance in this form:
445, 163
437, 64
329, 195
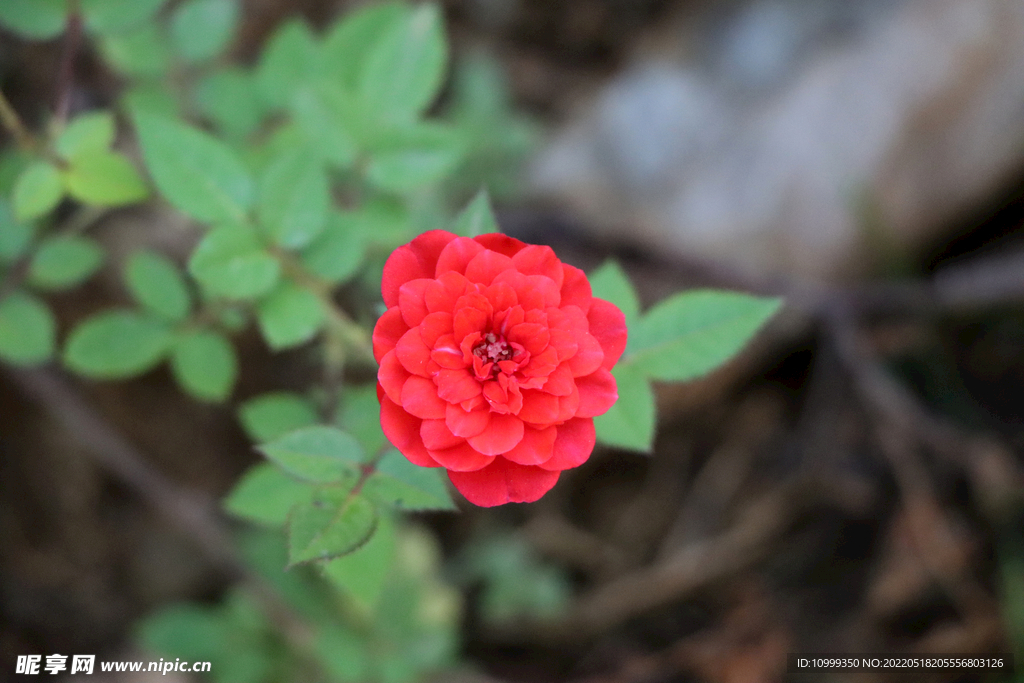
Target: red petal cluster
494, 359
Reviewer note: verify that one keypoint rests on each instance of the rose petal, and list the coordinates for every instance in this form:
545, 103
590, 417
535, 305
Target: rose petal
588, 356
392, 376
419, 397
414, 260
436, 435
446, 354
560, 382
501, 296
534, 338
434, 326
462, 458
502, 434
539, 260
456, 255
536, 447
608, 327
411, 303
574, 444
466, 423
414, 354
503, 244
598, 393
389, 329
456, 386
576, 288
539, 408
443, 292
503, 482
403, 431
486, 265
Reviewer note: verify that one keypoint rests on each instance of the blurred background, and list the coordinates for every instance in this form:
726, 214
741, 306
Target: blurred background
852, 483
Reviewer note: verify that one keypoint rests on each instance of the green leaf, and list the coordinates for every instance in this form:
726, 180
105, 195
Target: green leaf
317, 454
290, 60
405, 160
362, 574
153, 97
117, 344
27, 330
692, 333
347, 45
404, 69
37, 191
196, 172
157, 285
273, 415
289, 316
609, 282
102, 178
326, 118
191, 631
229, 99
231, 262
15, 236
90, 132
477, 218
630, 422
265, 495
360, 416
202, 29
34, 19
64, 261
114, 16
338, 252
400, 484
331, 525
143, 52
205, 365
294, 199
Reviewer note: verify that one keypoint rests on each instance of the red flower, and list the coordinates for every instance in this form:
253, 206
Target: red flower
494, 358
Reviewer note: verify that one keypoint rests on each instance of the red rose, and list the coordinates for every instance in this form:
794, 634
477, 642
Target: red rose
494, 358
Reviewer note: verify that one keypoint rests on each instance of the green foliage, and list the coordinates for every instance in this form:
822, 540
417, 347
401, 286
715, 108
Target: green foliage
273, 415
400, 484
294, 199
117, 344
157, 285
35, 19
683, 337
232, 262
477, 218
630, 422
15, 236
334, 523
516, 583
289, 316
301, 173
690, 334
102, 178
196, 172
204, 364
38, 189
201, 29
63, 262
91, 132
115, 16
403, 69
318, 454
265, 495
27, 330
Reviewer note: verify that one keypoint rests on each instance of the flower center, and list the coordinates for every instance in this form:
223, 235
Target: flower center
492, 349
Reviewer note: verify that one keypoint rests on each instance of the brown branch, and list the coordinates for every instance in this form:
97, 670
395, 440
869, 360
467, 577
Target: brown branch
191, 513
66, 71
